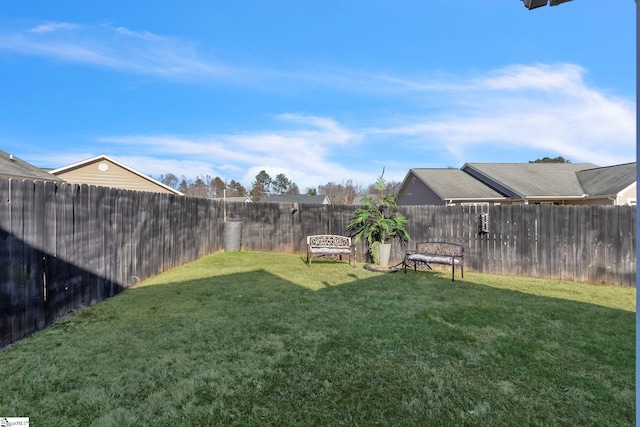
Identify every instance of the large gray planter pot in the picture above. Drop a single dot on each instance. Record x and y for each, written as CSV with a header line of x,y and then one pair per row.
x,y
384,253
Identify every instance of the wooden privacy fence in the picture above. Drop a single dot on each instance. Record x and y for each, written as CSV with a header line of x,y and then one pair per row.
x,y
578,243
63,246
594,244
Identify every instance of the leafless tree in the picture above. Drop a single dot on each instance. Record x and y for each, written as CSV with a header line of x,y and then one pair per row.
x,y
340,194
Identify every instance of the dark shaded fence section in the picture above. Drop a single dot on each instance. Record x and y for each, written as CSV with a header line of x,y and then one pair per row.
x,y
64,246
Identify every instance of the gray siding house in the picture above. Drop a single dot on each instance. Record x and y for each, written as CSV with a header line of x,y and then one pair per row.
x,y
521,183
445,187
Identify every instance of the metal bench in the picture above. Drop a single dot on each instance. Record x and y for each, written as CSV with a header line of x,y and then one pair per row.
x,y
436,253
330,245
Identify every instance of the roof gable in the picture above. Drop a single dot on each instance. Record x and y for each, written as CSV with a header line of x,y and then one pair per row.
x,y
102,161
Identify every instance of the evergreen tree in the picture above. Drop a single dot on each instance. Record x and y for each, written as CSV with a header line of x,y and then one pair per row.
x,y
558,159
260,187
184,186
236,189
280,184
217,186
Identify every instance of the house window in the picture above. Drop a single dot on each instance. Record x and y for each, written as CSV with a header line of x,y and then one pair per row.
x,y
103,167
476,207
631,201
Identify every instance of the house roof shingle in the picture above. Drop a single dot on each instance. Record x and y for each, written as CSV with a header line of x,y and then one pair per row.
x,y
607,180
13,167
526,180
455,184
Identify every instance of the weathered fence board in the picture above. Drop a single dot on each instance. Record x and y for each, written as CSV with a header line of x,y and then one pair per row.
x,y
17,259
6,334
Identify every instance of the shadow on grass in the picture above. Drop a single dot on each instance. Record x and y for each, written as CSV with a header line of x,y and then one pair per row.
x,y
253,348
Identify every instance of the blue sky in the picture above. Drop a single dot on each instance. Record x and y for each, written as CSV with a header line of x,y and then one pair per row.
x,y
322,91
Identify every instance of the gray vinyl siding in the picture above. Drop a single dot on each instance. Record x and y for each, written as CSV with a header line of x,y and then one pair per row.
x,y
416,193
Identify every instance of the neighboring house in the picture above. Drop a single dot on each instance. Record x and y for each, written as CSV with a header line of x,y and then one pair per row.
x,y
244,199
615,183
13,167
445,187
104,171
521,183
297,198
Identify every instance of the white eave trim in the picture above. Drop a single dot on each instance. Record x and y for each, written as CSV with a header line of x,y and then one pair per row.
x,y
476,199
583,196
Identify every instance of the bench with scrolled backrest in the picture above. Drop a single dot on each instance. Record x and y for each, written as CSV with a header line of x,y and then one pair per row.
x,y
330,245
436,253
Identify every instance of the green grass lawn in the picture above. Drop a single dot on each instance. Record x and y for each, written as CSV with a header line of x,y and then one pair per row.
x,y
257,339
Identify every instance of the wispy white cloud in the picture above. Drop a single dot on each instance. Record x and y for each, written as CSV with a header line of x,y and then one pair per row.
x,y
548,107
303,154
118,48
554,113
49,27
542,77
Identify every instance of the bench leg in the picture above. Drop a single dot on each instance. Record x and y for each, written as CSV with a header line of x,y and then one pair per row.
x,y
405,263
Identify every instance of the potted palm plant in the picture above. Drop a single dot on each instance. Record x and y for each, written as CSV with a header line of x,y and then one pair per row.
x,y
379,222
